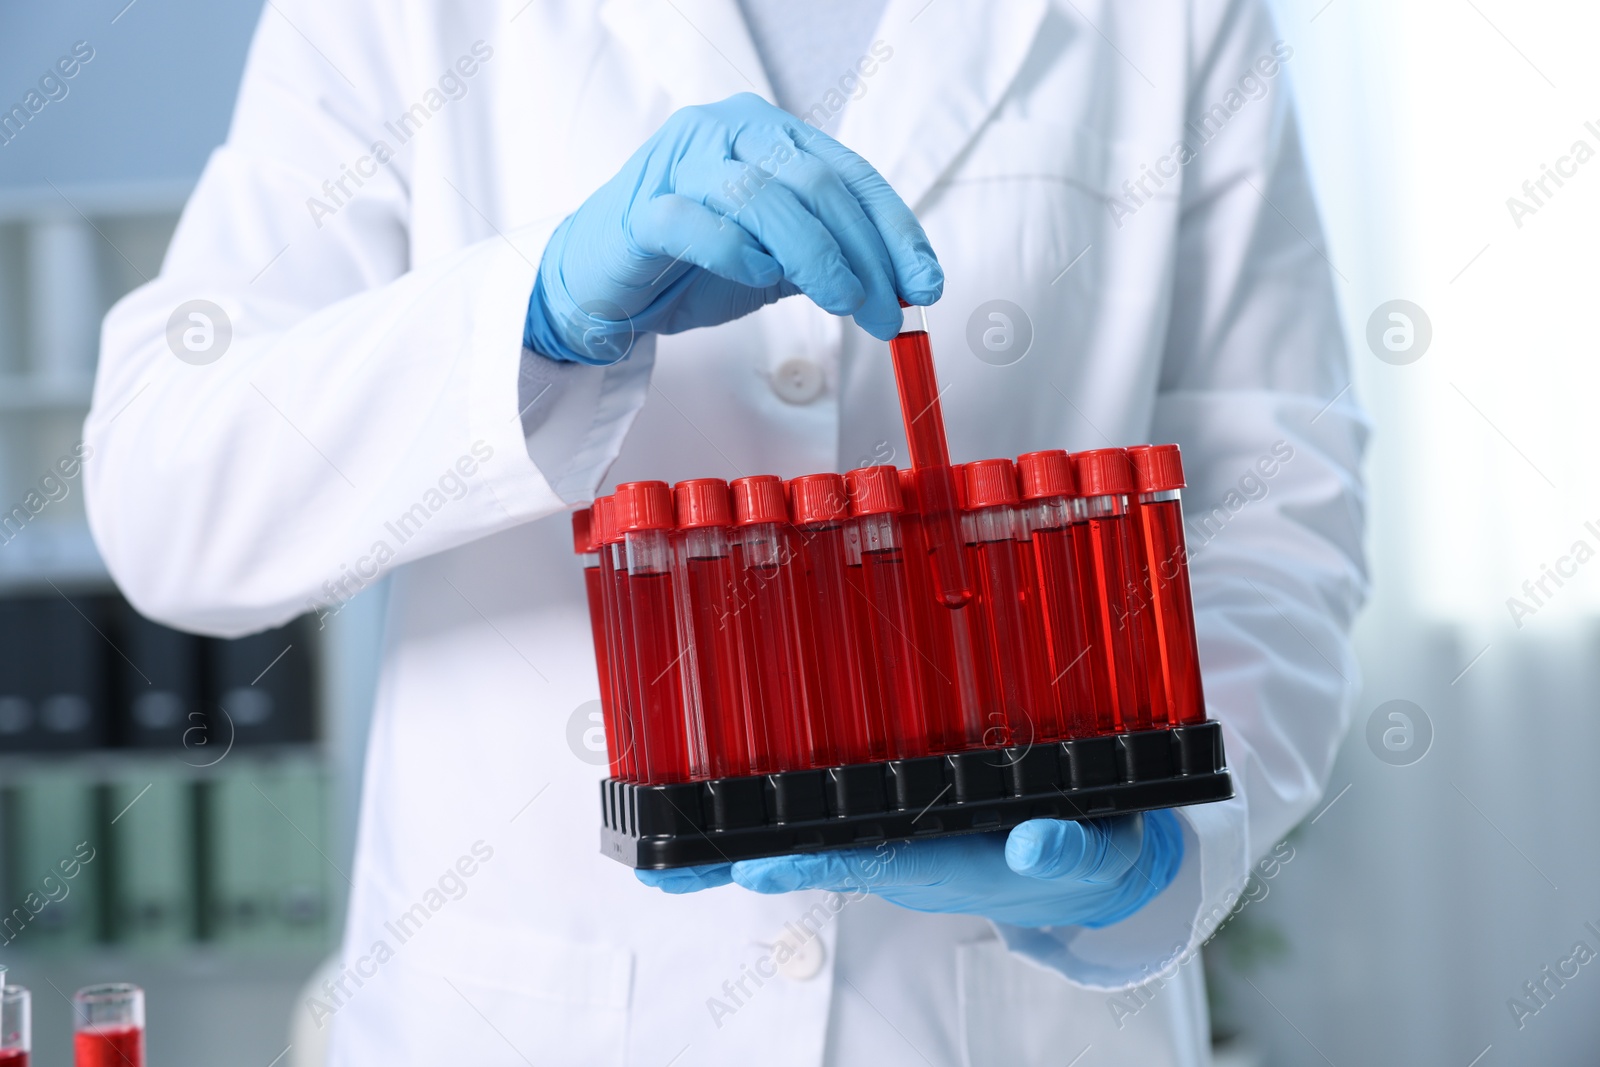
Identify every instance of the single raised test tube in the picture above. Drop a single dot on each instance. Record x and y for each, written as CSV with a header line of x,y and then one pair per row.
x,y
1051,516
108,1026
588,550
1158,473
16,1024
769,640
1105,480
930,456
844,728
708,615
875,501
1022,708
622,739
644,516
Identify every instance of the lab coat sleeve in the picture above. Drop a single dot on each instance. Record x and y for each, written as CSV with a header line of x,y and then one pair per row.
x,y
1255,388
355,409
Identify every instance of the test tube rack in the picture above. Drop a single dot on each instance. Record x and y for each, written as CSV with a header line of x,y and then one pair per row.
x,y
836,661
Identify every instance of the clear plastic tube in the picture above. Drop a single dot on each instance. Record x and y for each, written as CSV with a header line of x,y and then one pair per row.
x,y
843,730
622,729
108,1026
1159,477
644,513
16,1024
583,542
1048,518
934,631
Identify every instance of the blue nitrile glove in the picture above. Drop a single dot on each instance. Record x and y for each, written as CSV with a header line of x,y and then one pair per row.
x,y
1046,872
725,209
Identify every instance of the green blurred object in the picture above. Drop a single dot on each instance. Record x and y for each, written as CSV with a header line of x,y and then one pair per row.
x,y
54,871
152,855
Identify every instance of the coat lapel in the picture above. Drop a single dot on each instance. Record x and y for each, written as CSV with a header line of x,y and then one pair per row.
x,y
697,51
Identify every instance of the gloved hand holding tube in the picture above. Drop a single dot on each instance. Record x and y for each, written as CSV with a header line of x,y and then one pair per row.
x,y
1045,872
727,208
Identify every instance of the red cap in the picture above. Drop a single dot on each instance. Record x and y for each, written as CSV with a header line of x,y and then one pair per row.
x,y
605,526
989,483
818,498
759,498
642,506
874,491
1047,473
583,541
1157,468
1103,472
702,502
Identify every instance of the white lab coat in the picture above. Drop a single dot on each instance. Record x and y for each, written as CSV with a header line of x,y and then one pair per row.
x,y
372,377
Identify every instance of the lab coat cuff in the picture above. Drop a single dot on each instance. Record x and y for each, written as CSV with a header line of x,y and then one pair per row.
x,y
1167,933
575,415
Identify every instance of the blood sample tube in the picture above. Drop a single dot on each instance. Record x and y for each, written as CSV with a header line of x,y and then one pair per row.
x,y
644,516
844,728
708,614
584,544
1158,474
930,457
769,641
108,1026
933,629
875,502
1007,607
1049,517
1105,480
617,610
16,1024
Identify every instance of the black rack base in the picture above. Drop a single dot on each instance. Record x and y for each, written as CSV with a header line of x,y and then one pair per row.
x,y
680,825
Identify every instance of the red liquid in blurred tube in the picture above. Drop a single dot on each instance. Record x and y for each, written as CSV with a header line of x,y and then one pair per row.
x,y
875,502
588,549
644,515
1158,471
706,608
770,658
1105,481
1047,486
110,1046
13,1057
622,737
843,728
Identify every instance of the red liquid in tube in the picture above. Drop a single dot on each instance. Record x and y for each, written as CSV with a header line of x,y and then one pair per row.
x,y
1105,480
13,1057
710,628
843,729
1018,703
584,544
932,629
1158,471
108,1046
774,675
644,515
622,730
875,501
1047,486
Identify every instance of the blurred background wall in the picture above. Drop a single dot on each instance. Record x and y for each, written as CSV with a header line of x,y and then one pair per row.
x,y
1453,857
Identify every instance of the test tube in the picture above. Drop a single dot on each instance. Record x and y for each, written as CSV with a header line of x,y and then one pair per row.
x,y
708,614
1158,473
776,707
1105,482
643,513
623,744
1021,709
16,1024
108,1026
588,551
1051,516
930,457
933,629
875,503
851,730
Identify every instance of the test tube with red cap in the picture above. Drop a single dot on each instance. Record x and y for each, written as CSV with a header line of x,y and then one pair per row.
x,y
930,457
16,1024
587,547
876,504
622,736
934,632
108,1026
1053,518
844,728
1022,710
1158,473
1105,482
643,513
708,612
774,681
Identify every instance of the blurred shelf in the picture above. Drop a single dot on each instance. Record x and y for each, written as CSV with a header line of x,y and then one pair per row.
x,y
105,762
50,552
28,392
26,203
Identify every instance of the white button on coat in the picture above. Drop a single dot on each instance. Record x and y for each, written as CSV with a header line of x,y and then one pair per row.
x,y
804,959
798,381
